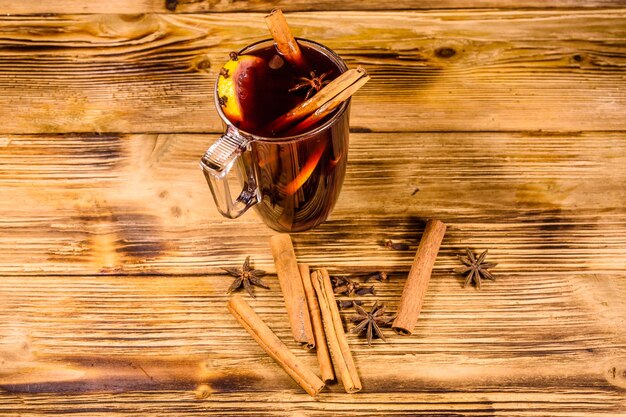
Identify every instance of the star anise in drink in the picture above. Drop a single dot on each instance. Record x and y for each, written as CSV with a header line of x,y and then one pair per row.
x,y
313,84
475,268
371,323
246,277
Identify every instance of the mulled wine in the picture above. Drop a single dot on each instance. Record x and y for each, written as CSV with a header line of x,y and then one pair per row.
x,y
258,86
298,173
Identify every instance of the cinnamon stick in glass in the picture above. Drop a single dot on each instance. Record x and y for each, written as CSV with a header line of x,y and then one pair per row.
x,y
419,276
328,107
292,288
285,42
331,90
323,355
335,335
274,347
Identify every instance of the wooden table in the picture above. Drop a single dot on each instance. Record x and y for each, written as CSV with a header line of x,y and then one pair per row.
x,y
504,119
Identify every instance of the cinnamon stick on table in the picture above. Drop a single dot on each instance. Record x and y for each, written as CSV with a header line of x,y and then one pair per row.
x,y
323,355
285,42
335,336
417,282
274,347
292,288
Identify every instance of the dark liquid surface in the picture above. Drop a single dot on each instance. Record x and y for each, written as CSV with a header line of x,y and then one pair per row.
x,y
266,96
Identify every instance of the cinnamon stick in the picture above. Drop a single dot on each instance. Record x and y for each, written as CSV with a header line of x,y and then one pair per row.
x,y
331,90
292,288
328,107
274,347
323,355
285,42
417,282
335,336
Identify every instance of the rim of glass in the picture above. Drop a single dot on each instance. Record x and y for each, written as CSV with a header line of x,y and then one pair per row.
x,y
338,113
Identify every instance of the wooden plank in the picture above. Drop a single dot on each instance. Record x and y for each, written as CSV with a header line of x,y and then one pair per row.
x,y
574,403
138,204
443,70
524,345
215,6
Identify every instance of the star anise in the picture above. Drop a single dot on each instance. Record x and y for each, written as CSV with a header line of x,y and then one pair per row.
x,y
370,323
246,277
314,84
475,268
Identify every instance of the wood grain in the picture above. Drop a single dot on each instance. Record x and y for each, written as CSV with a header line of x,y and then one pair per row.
x,y
575,403
553,342
505,120
139,204
217,6
441,70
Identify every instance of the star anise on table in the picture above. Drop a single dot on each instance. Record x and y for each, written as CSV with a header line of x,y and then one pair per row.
x,y
313,84
475,268
370,323
246,277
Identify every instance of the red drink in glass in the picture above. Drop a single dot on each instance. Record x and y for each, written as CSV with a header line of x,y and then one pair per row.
x,y
292,178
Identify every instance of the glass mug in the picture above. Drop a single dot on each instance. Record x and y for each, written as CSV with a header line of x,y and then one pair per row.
x,y
293,182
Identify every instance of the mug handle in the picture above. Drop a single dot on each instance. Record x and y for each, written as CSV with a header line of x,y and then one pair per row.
x,y
217,163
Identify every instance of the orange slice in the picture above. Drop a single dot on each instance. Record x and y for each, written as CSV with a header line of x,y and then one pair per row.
x,y
307,170
236,85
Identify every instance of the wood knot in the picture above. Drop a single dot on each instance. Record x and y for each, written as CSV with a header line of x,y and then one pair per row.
x,y
203,391
204,63
132,17
176,211
445,52
616,374
577,58
201,64
171,5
